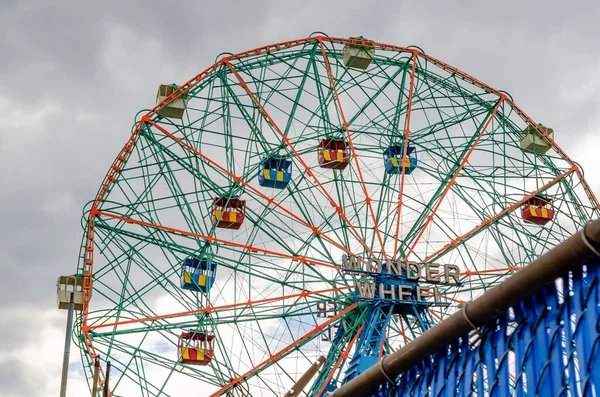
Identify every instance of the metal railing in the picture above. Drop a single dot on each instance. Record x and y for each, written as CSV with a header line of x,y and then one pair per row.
x,y
535,334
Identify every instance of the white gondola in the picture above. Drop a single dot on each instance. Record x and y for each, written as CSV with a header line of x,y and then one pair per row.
x,y
532,141
67,286
358,55
174,109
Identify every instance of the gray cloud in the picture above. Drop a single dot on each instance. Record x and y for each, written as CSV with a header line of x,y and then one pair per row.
x,y
15,381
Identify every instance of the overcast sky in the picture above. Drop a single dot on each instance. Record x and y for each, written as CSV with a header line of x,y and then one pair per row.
x,y
73,74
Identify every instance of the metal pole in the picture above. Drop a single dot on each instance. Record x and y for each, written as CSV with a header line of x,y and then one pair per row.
x,y
96,372
65,366
568,256
105,394
304,379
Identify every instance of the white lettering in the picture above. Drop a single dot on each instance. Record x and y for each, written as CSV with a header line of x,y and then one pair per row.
x,y
431,270
413,271
391,292
351,262
422,289
405,291
374,263
395,268
424,292
366,290
409,270
451,271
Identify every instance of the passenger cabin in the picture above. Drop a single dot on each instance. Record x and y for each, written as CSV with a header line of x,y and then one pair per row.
x,y
532,141
538,210
333,154
70,288
275,172
176,108
228,212
196,348
359,53
197,274
392,159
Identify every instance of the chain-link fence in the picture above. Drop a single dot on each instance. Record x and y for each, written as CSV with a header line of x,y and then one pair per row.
x,y
547,345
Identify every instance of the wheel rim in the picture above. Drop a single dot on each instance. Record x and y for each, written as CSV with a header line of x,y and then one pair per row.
x,y
460,205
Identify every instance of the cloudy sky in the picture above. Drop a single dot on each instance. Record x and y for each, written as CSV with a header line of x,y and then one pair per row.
x,y
75,73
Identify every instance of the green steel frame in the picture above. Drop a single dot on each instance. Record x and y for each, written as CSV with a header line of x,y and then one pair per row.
x,y
460,206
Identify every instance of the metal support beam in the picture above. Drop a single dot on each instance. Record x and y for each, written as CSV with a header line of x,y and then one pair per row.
x,y
304,379
568,256
106,379
95,379
67,351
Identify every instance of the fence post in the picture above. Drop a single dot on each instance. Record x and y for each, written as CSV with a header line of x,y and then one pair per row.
x,y
95,379
67,350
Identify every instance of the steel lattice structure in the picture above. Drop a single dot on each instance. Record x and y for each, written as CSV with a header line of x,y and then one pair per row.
x,y
279,296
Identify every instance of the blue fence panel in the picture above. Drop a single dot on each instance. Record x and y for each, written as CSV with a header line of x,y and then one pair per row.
x,y
547,345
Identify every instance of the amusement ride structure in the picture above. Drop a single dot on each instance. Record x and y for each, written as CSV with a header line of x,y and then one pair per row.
x,y
322,200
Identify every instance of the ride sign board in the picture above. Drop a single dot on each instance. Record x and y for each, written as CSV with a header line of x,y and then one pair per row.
x,y
401,281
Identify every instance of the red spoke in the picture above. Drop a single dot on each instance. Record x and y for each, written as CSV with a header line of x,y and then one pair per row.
x,y
405,152
435,314
239,179
503,270
453,299
352,151
105,187
306,167
213,239
451,183
403,330
282,352
544,134
497,216
339,361
211,309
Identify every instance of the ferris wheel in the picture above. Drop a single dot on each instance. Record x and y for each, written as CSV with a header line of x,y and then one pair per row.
x,y
305,208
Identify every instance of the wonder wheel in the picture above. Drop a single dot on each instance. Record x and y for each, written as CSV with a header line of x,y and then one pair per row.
x,y
317,197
